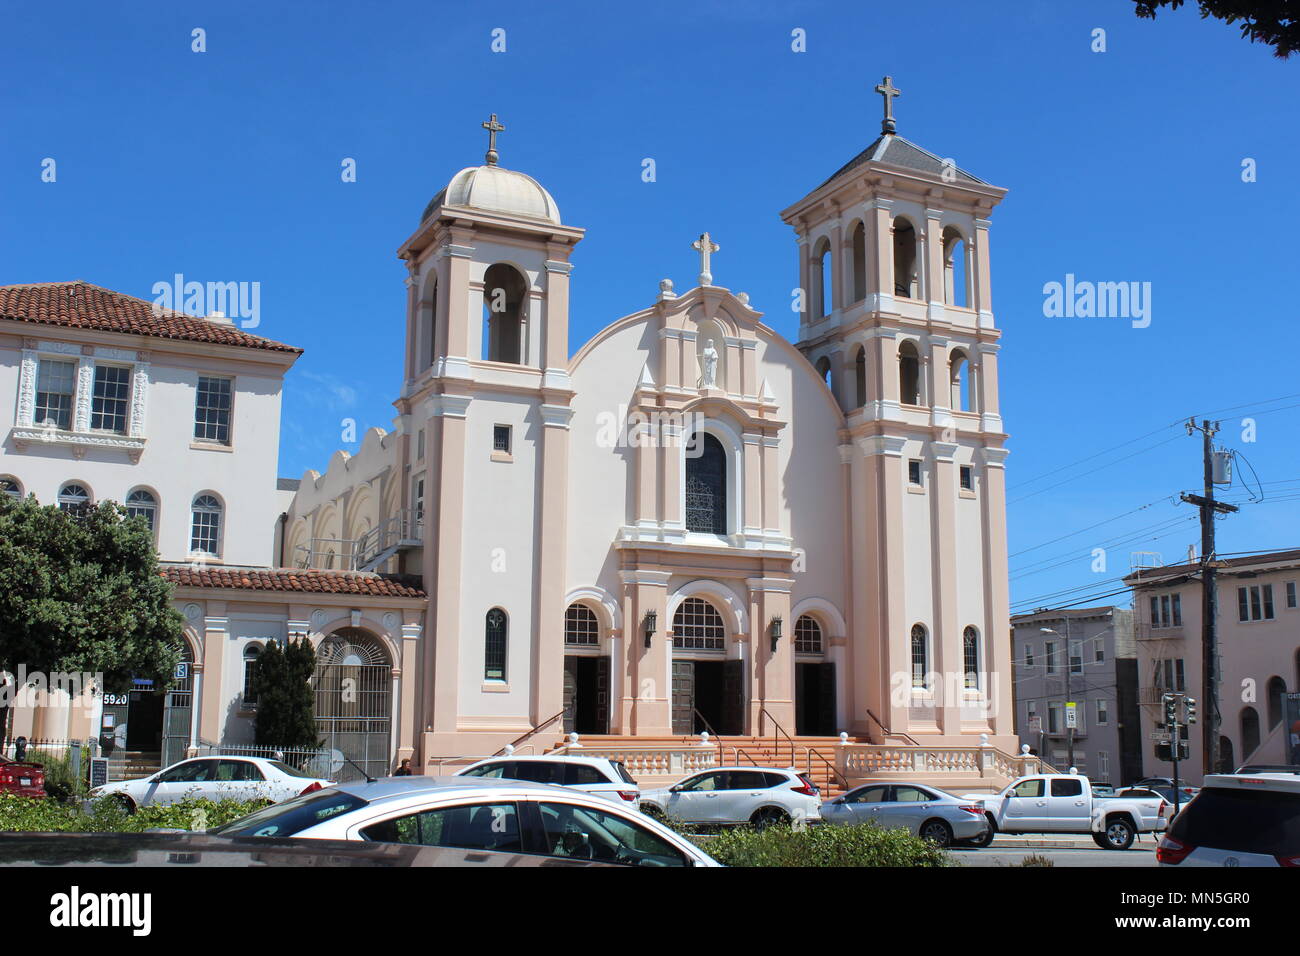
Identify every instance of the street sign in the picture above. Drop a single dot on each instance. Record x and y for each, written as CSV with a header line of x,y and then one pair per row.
x,y
1161,736
1071,715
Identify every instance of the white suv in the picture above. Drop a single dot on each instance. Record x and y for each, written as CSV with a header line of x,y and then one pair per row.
x,y
1237,819
595,775
733,795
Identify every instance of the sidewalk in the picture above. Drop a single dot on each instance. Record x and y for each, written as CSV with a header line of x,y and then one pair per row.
x,y
1062,841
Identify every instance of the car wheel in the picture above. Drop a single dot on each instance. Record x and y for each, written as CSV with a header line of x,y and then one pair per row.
x,y
1118,835
125,803
769,817
937,832
654,812
984,839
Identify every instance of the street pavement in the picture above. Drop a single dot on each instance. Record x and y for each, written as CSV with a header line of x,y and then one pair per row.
x,y
1062,850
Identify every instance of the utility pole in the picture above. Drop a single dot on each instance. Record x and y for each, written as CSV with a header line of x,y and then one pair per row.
x,y
1209,596
1069,669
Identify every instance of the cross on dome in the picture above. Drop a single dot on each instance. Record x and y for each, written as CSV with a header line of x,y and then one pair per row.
x,y
493,127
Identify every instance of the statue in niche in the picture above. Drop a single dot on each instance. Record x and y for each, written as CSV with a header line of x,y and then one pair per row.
x,y
709,365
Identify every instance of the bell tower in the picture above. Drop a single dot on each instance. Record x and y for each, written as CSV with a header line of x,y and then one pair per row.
x,y
485,415
897,318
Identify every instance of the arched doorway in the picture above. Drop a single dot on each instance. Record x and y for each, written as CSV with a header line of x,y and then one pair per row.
x,y
178,708
708,689
586,673
354,697
1249,732
1227,762
814,680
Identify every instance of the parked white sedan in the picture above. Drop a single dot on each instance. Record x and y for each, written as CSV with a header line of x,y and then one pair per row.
x,y
474,813
214,778
761,796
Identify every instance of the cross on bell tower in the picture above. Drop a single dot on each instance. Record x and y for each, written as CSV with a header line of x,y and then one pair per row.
x,y
888,91
493,127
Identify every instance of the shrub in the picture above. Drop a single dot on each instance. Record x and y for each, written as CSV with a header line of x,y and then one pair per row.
x,y
106,815
822,845
1034,859
61,781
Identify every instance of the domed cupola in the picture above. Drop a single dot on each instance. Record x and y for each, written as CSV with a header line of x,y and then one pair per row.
x,y
493,188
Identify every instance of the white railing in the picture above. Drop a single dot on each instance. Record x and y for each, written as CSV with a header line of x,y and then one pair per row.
x,y
671,761
873,760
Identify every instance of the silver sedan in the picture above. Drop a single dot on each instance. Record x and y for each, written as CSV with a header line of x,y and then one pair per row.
x,y
928,812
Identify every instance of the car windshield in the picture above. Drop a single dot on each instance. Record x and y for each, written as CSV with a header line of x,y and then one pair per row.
x,y
293,816
1247,821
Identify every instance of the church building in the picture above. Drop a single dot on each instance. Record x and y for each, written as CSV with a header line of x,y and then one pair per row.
x,y
687,524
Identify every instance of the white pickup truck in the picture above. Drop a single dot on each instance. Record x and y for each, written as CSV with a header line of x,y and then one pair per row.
x,y
1064,803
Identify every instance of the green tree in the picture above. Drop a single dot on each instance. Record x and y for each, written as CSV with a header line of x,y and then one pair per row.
x,y
80,592
1275,23
285,705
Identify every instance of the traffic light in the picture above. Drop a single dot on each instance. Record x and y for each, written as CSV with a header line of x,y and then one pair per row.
x,y
1189,704
1171,710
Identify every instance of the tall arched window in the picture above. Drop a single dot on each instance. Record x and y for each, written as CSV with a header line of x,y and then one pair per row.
x,y
860,376
706,486
824,371
807,635
504,291
955,268
142,504
697,625
959,380
906,282
859,262
821,279
430,331
970,656
251,654
1249,732
11,487
920,655
1276,701
205,526
581,629
494,645
74,497
909,374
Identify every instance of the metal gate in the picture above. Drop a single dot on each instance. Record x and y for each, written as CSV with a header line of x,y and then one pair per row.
x,y
177,710
354,693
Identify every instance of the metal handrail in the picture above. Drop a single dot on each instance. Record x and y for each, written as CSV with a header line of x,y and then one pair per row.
x,y
722,755
808,751
514,744
889,733
777,728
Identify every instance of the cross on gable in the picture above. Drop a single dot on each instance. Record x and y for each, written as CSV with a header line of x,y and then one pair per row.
x,y
888,91
706,247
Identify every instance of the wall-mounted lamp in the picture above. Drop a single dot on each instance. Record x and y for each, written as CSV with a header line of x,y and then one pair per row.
x,y
651,619
775,629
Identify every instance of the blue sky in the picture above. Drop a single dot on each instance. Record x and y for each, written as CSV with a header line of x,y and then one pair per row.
x,y
1123,166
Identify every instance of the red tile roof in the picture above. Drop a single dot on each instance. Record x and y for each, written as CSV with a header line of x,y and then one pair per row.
x,y
292,579
80,305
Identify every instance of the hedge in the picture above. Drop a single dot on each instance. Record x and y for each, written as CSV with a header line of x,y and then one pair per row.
x,y
821,845
107,816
